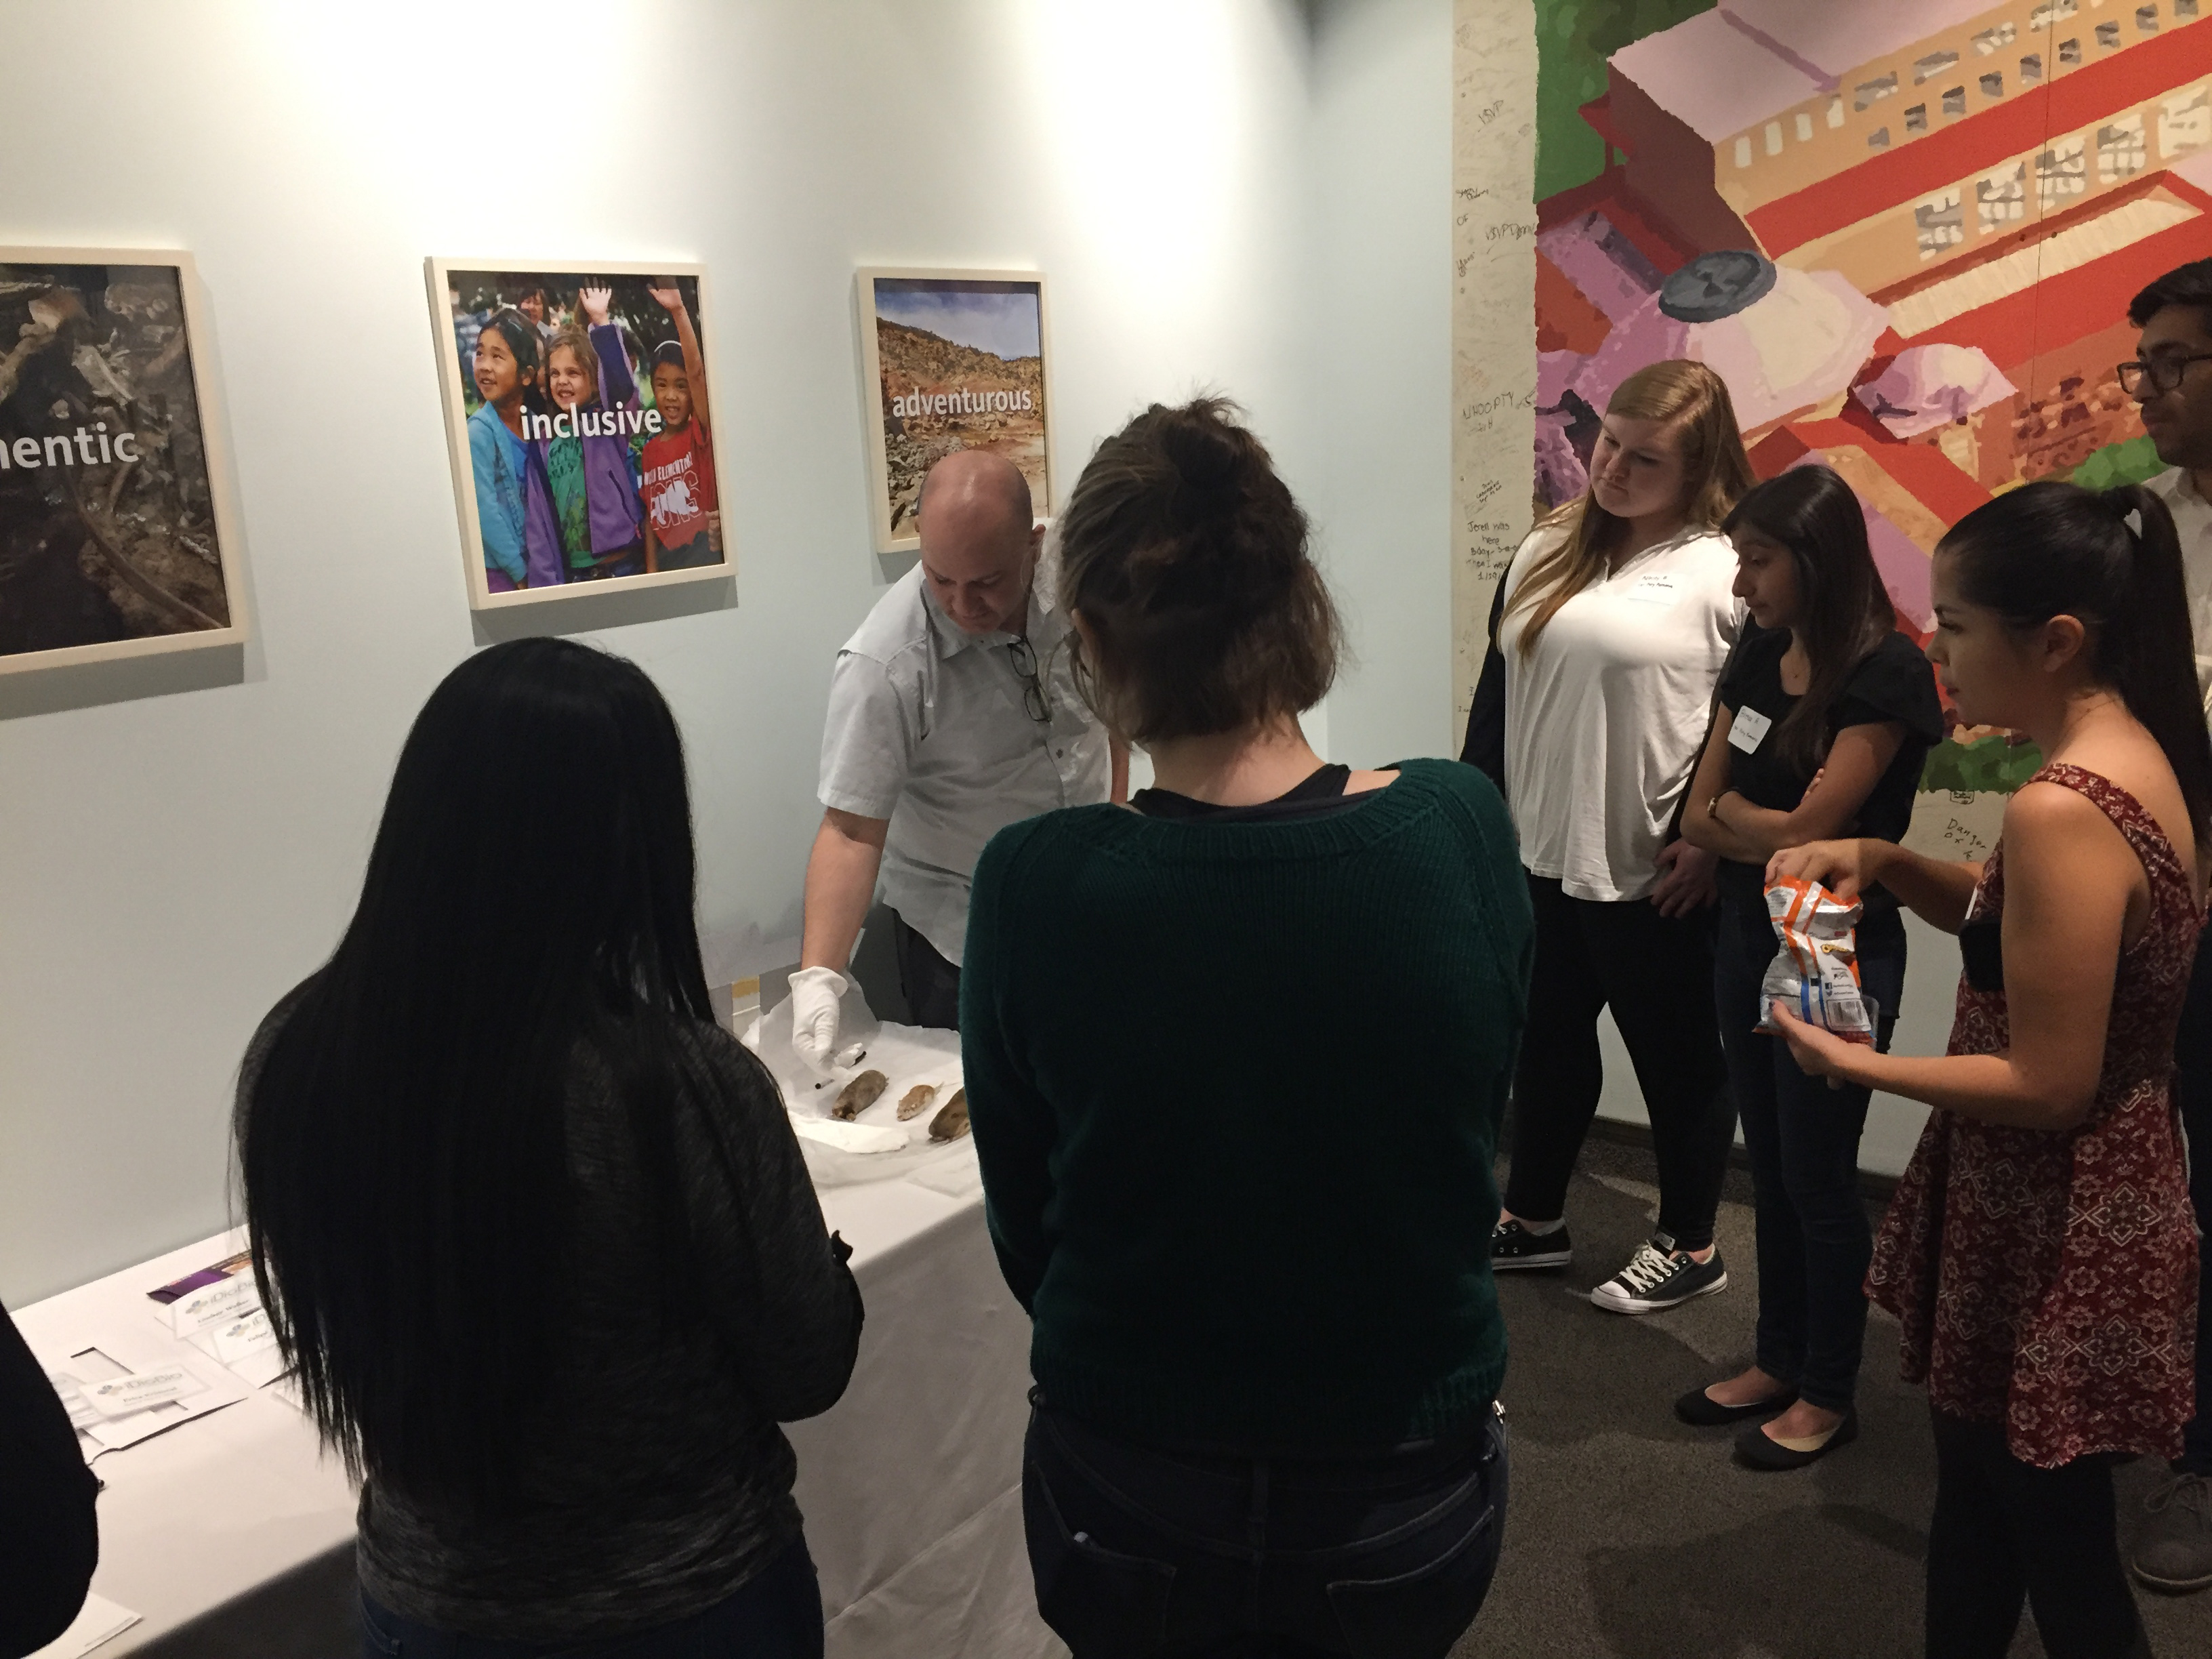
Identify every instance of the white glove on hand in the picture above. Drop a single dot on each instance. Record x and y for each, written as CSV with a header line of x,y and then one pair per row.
x,y
815,1000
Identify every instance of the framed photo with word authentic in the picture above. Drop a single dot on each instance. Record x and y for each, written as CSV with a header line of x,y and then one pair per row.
x,y
953,360
581,424
117,537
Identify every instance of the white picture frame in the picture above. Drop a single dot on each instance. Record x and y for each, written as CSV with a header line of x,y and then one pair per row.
x,y
442,274
901,445
156,553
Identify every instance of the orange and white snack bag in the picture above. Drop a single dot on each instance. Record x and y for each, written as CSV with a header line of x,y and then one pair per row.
x,y
1816,971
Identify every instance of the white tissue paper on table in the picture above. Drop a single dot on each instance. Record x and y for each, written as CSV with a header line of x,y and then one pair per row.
x,y
876,1146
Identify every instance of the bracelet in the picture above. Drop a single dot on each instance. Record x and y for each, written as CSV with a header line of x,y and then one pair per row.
x,y
1713,807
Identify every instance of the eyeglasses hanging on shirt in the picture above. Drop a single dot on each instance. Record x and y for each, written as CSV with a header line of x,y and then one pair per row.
x,y
1020,654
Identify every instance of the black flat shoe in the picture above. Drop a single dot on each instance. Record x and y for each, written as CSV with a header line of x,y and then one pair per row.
x,y
1757,1450
1701,1410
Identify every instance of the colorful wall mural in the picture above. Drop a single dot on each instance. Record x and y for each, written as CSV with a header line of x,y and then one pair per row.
x,y
1904,231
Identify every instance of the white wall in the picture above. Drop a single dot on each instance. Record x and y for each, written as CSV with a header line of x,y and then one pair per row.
x,y
1376,447
169,866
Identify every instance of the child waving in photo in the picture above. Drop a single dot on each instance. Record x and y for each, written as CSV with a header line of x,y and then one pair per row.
x,y
682,527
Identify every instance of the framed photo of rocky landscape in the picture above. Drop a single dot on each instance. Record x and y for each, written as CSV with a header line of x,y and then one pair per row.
x,y
954,360
579,426
117,537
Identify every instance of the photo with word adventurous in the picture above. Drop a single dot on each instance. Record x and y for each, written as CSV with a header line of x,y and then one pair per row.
x,y
956,360
1906,235
581,428
113,540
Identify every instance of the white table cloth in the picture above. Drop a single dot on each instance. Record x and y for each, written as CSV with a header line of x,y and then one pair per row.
x,y
911,1485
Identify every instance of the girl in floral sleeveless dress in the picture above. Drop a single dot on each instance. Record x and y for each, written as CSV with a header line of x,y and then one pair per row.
x,y
2041,1253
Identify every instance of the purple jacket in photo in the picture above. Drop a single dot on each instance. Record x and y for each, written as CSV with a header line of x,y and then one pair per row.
x,y
617,518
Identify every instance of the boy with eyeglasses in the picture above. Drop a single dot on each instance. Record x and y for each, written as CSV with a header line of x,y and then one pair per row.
x,y
2172,379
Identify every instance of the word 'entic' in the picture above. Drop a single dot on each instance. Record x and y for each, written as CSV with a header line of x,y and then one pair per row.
x,y
83,448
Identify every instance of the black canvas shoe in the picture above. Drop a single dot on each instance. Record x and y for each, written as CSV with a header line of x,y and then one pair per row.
x,y
1660,1276
1512,1245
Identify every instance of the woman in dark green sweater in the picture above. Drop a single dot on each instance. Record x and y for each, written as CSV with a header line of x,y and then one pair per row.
x,y
1253,1239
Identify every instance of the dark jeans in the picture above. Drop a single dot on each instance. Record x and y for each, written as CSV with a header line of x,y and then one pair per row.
x,y
1803,1139
775,1614
1139,1552
628,562
2193,1093
931,984
2005,1532
688,555
1657,976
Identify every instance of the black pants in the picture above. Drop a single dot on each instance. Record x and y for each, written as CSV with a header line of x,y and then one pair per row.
x,y
2193,1093
1657,976
2006,1532
930,983
1142,1552
1803,1141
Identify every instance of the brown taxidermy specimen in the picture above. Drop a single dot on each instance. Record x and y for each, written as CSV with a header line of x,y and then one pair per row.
x,y
916,1101
951,1124
856,1096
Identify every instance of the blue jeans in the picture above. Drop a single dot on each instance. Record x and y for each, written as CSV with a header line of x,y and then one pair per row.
x,y
775,1614
1145,1552
1802,1137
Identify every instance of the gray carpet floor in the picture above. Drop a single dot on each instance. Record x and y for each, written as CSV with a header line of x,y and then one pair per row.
x,y
1630,1536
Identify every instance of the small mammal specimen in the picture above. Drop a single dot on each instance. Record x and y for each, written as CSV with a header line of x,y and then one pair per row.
x,y
862,1092
916,1101
951,1124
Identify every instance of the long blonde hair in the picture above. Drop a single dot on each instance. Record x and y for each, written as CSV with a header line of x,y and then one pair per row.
x,y
1693,400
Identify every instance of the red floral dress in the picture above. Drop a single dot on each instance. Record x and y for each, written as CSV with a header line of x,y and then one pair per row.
x,y
2047,1278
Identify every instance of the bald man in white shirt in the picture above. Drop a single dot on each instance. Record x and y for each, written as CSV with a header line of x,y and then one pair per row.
x,y
953,713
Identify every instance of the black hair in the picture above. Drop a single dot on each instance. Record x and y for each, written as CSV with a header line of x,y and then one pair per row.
x,y
403,1150
668,351
1844,610
2053,549
1188,558
528,346
2185,285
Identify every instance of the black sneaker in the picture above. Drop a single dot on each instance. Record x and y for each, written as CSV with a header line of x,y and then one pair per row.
x,y
1660,1276
1512,1245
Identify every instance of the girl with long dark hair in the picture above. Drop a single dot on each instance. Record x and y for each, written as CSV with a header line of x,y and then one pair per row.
x,y
1826,715
535,1236
2040,1251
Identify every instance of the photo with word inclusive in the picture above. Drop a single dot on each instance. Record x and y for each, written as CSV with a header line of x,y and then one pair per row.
x,y
956,360
1905,233
113,537
581,420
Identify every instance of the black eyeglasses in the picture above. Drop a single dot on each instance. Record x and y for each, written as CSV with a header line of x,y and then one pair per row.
x,y
2164,374
1024,658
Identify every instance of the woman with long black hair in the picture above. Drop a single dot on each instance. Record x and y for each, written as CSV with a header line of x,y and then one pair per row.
x,y
535,1236
2040,1252
1827,712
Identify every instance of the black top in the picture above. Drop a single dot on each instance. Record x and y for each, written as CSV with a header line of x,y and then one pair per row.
x,y
1320,794
660,1482
1893,682
49,1538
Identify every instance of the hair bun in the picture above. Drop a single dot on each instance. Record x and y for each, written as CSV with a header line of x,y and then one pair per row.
x,y
1205,455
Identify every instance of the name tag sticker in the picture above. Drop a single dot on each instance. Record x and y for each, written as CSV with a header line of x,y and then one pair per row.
x,y
1749,730
1654,587
118,1397
214,1304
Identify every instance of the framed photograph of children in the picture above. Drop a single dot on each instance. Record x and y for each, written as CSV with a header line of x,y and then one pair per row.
x,y
955,360
580,427
117,533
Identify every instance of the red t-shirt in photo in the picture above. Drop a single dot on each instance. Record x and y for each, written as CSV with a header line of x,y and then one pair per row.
x,y
678,491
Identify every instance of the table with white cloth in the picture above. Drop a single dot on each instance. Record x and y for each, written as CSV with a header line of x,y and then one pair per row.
x,y
232,1533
